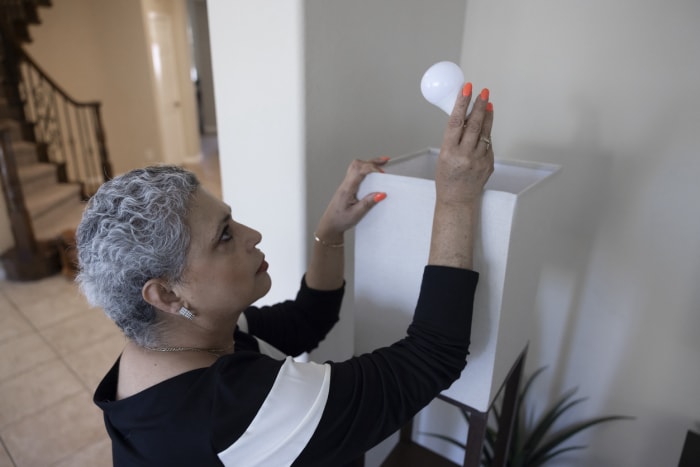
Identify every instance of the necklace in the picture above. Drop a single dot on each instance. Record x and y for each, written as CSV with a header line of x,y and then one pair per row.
x,y
217,352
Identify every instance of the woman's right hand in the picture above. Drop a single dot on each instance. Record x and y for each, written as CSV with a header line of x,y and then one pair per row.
x,y
464,166
466,156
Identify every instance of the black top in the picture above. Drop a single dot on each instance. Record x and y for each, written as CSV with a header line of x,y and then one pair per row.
x,y
249,409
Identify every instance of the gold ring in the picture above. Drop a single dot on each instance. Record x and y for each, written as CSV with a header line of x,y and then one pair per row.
x,y
487,141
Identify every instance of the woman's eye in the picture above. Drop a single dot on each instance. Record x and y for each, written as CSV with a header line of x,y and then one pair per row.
x,y
225,235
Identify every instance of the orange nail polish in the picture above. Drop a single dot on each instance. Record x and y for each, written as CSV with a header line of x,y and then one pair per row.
x,y
467,89
385,158
379,197
484,94
489,107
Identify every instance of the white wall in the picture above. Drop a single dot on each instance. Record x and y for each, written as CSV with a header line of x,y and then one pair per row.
x,y
257,61
609,91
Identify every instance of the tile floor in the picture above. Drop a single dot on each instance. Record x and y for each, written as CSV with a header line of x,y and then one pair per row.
x,y
54,350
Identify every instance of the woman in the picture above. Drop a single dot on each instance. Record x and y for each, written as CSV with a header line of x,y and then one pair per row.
x,y
204,378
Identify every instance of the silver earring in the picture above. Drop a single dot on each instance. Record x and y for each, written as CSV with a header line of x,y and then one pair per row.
x,y
184,312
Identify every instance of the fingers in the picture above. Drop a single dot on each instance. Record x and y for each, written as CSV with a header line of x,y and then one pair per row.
x,y
455,125
488,121
474,127
358,170
368,202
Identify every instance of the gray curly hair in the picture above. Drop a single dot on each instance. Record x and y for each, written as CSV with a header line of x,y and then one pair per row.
x,y
134,229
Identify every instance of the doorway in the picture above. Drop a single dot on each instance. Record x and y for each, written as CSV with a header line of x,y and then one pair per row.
x,y
165,70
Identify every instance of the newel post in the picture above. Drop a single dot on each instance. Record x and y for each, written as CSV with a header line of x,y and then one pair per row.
x,y
28,259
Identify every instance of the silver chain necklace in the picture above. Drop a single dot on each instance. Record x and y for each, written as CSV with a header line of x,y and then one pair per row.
x,y
217,352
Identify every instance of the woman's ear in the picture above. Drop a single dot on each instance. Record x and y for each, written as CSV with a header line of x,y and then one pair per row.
x,y
160,295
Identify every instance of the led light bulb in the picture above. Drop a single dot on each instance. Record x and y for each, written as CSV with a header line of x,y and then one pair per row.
x,y
441,84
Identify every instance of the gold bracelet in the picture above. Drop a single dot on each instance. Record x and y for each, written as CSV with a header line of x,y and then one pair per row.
x,y
329,245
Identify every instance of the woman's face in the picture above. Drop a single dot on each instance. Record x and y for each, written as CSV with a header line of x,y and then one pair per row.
x,y
224,271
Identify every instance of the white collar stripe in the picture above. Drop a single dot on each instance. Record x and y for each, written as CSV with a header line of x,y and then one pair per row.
x,y
270,350
286,420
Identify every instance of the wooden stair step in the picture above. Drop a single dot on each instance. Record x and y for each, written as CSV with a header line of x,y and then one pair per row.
x,y
35,176
40,202
13,126
65,217
25,153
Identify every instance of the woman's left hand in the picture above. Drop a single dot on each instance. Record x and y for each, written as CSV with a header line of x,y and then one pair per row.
x,y
344,210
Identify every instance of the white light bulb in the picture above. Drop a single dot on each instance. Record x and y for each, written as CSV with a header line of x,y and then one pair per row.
x,y
441,85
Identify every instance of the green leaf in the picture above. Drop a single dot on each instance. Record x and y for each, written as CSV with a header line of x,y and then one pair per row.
x,y
567,433
533,448
548,419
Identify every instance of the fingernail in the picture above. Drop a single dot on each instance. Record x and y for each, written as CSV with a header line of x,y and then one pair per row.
x,y
484,94
467,89
489,107
380,169
379,197
385,158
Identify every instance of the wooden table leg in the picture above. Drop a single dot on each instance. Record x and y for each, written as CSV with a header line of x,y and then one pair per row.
x,y
475,438
505,424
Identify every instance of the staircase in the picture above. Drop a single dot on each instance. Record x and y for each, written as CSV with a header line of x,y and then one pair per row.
x,y
52,151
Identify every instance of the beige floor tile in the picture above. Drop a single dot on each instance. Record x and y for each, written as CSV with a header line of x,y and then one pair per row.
x,y
35,390
75,333
26,293
59,306
5,460
56,433
94,361
12,323
22,353
96,455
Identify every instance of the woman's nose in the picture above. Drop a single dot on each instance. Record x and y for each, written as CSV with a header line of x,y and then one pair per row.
x,y
255,237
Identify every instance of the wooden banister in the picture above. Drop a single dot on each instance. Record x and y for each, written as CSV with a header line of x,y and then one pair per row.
x,y
28,259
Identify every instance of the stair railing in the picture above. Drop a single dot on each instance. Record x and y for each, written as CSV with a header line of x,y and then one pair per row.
x,y
69,133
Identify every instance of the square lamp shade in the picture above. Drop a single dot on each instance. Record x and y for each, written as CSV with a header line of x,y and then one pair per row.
x,y
391,249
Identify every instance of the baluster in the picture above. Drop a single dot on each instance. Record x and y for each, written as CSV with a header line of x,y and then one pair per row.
x,y
102,141
84,152
94,166
54,132
90,147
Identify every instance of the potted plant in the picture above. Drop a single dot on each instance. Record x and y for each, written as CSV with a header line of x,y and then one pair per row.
x,y
533,443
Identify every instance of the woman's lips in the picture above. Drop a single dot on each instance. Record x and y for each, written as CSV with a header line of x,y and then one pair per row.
x,y
263,266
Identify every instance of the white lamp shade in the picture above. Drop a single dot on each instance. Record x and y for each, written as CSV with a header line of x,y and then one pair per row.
x,y
441,84
391,249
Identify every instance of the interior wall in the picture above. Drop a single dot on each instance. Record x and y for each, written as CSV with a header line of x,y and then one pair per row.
x,y
609,91
257,61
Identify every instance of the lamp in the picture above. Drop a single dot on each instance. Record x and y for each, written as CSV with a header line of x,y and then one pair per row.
x,y
391,248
